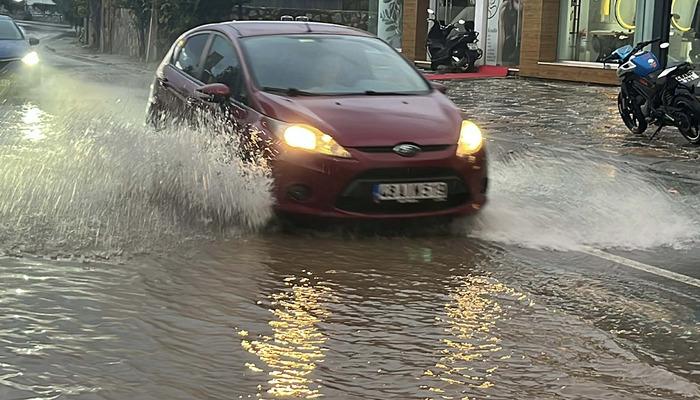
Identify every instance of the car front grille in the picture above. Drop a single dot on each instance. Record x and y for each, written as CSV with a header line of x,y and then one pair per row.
x,y
357,197
390,149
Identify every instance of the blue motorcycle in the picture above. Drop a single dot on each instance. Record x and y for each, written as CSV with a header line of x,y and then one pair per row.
x,y
650,94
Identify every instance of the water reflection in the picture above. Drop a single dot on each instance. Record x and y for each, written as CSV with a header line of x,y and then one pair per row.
x,y
471,351
295,348
33,120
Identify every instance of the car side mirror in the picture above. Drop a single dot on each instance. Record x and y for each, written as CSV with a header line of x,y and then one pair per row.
x,y
439,87
214,93
33,41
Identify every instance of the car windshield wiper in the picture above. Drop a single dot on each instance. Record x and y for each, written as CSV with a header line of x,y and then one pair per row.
x,y
376,93
288,91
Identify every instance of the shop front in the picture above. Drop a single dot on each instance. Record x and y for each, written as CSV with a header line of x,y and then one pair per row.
x,y
498,22
568,39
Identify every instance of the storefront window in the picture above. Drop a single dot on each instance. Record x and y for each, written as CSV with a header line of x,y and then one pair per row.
x,y
685,32
591,29
505,21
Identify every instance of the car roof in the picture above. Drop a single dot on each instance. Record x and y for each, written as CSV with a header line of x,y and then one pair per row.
x,y
263,28
5,17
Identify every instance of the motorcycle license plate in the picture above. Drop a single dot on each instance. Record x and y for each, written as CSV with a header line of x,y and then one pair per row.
x,y
473,46
689,77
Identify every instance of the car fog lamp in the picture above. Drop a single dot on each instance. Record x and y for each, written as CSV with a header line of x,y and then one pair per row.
x,y
470,139
31,58
309,138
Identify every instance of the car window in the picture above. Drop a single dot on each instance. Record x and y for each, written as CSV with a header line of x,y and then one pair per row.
x,y
330,65
9,31
223,66
188,57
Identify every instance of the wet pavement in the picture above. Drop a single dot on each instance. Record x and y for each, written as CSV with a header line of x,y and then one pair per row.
x,y
116,283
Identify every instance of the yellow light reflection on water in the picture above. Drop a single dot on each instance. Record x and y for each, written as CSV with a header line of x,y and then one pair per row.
x,y
472,351
32,119
295,348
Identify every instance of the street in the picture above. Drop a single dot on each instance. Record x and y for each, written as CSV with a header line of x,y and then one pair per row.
x,y
580,279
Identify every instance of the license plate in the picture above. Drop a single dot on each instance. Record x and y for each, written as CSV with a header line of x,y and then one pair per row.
x,y
687,78
410,192
473,46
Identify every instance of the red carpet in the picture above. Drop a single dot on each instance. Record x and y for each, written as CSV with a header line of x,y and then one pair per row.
x,y
486,71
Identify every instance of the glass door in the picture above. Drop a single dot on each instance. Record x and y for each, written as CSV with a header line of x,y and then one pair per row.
x,y
591,29
685,32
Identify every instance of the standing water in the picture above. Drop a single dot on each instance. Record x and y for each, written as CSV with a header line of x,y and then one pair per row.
x,y
207,304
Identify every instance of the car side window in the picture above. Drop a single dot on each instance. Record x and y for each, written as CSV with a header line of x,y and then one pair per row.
x,y
222,65
188,57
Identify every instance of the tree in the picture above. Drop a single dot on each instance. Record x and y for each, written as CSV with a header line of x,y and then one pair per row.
x,y
73,11
141,10
11,5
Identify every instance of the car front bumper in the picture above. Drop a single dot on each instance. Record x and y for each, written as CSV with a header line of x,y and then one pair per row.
x,y
327,187
14,73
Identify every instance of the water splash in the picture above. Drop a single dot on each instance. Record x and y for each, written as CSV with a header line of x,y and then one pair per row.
x,y
566,203
88,179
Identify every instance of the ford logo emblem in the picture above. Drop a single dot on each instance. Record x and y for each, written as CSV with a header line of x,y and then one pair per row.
x,y
407,150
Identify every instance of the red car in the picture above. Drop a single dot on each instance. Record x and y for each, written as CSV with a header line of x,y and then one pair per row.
x,y
356,131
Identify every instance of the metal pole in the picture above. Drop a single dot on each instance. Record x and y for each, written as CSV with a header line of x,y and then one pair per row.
x,y
152,32
662,27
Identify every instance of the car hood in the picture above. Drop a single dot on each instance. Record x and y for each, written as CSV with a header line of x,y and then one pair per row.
x,y
359,121
13,49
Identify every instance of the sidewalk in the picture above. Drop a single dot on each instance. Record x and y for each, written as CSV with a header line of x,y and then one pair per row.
x,y
47,24
67,45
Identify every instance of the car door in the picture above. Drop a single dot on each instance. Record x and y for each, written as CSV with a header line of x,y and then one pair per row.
x,y
182,76
222,64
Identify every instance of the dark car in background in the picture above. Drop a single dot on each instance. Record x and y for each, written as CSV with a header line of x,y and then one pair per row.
x,y
356,131
19,62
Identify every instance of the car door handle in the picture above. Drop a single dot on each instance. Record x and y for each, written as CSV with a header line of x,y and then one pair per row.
x,y
164,82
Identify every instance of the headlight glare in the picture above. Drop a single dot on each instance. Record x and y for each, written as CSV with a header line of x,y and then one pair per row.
x,y
309,138
470,139
300,137
31,58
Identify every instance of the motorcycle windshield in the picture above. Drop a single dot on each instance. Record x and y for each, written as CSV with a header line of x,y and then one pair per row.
x,y
624,51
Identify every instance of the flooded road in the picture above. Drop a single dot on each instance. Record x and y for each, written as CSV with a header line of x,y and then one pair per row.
x,y
137,264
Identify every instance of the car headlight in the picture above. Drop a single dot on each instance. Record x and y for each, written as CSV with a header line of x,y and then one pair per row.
x,y
470,139
31,58
309,138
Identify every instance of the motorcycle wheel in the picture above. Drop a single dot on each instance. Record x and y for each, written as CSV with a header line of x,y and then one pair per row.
x,y
689,119
631,116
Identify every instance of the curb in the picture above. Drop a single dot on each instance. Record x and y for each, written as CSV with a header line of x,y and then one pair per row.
x,y
24,22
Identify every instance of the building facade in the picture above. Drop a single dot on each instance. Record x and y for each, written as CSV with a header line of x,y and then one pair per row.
x,y
562,39
565,39
499,23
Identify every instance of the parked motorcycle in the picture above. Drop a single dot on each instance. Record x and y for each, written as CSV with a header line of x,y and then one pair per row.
x,y
650,94
452,46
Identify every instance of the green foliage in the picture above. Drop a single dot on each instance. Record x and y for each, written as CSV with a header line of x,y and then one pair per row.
x,y
72,10
11,5
178,16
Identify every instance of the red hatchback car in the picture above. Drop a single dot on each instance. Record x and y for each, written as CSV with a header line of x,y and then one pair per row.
x,y
356,131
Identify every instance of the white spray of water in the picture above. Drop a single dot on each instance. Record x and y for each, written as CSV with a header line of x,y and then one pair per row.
x,y
84,180
567,203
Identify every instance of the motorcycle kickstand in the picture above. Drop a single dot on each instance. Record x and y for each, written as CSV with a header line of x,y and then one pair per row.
x,y
661,126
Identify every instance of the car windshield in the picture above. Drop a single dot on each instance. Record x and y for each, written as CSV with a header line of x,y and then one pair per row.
x,y
330,65
9,31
